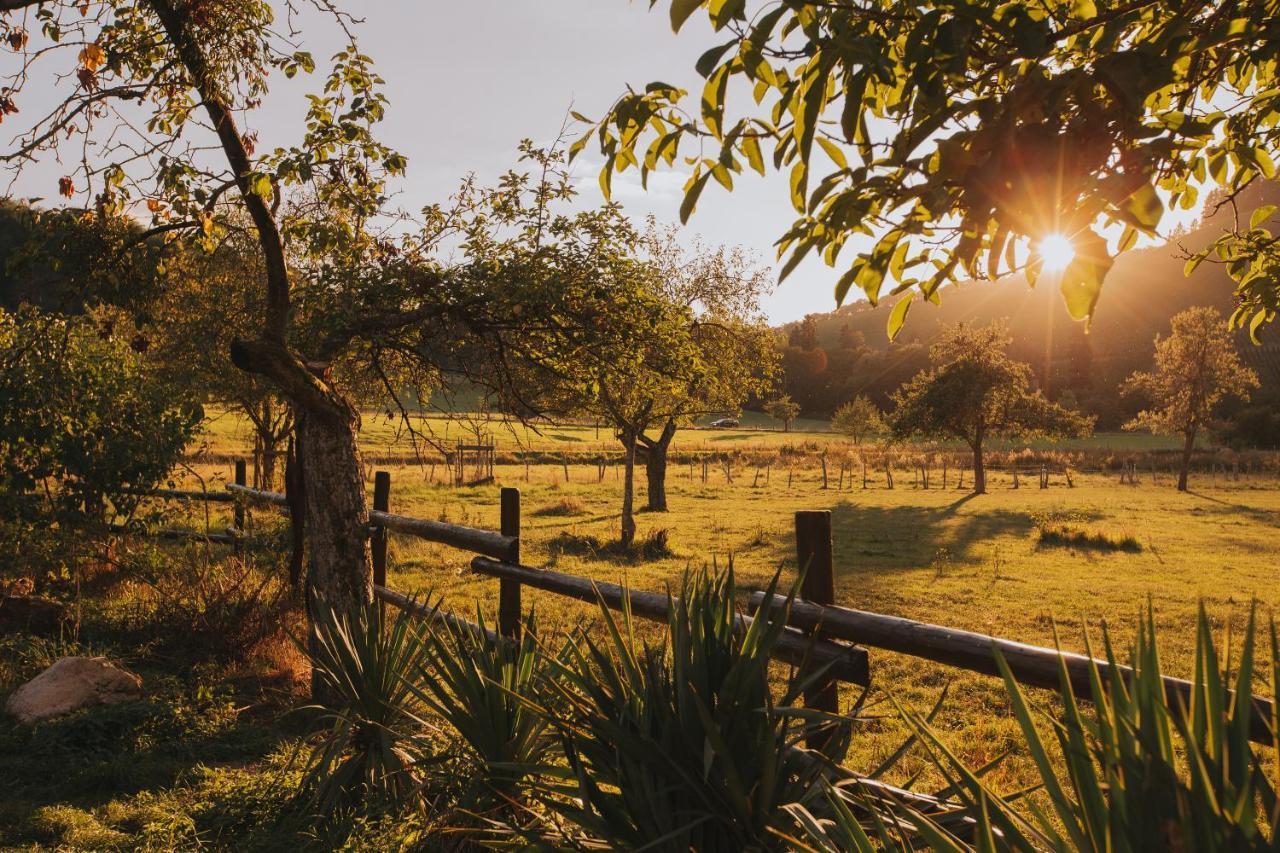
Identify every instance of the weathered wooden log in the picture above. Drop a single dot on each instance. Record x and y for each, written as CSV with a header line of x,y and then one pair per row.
x,y
228,538
182,495
1033,665
274,498
432,614
847,663
485,542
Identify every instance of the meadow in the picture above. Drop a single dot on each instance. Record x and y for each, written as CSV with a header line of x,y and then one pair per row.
x,y
997,563
212,756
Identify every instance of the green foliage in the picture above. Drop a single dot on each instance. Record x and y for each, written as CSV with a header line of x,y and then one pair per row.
x,y
1143,772
783,409
977,392
1068,530
486,690
681,745
858,419
1196,367
370,754
944,140
83,424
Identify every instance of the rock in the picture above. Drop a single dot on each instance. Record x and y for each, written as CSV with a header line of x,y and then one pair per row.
x,y
30,614
69,684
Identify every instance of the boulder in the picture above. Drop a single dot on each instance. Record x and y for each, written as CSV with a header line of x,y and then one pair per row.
x,y
69,684
30,614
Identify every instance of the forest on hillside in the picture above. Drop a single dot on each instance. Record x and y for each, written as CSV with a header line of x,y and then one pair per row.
x,y
828,359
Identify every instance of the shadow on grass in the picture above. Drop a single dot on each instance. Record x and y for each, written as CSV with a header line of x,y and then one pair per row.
x,y
1223,507
877,539
106,753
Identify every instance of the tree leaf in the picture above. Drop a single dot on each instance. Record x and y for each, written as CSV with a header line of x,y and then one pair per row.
x,y
898,316
680,12
1261,215
1083,277
1144,208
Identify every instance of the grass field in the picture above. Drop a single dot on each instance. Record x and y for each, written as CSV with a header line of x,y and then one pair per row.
x,y
940,555
226,433
209,757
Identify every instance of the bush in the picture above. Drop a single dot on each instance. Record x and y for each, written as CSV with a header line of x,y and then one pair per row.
x,y
370,754
82,427
680,746
1141,772
1059,530
567,505
489,691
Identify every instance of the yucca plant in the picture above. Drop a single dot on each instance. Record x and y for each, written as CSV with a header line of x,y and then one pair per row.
x,y
1139,773
486,689
681,747
370,752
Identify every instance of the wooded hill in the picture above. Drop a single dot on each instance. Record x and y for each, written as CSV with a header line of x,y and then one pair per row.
x,y
831,357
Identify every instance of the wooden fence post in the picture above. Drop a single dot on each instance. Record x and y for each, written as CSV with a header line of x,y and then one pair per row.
x,y
239,511
813,553
509,590
378,542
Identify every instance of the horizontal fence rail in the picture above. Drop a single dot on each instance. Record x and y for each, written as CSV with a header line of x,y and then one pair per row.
x,y
183,495
274,498
846,663
432,614
818,633
1033,665
471,539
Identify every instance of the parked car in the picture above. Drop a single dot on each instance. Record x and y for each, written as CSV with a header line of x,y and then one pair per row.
x,y
725,423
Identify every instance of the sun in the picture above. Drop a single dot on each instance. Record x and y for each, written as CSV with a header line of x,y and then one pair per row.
x,y
1057,252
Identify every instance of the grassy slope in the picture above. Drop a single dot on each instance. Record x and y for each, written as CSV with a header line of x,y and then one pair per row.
x,y
226,433
937,555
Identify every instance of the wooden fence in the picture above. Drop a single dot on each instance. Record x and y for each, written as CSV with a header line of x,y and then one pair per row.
x,y
819,634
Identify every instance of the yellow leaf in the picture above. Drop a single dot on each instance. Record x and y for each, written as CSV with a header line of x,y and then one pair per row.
x,y
898,316
93,57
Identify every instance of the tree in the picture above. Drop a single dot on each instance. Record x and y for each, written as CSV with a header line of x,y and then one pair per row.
x,y
156,96
193,72
947,140
85,429
208,303
858,419
977,392
1196,367
716,295
783,409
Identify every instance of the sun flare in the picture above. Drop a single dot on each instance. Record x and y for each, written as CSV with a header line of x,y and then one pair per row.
x,y
1057,252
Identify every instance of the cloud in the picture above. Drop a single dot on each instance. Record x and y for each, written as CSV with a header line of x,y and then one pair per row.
x,y
663,185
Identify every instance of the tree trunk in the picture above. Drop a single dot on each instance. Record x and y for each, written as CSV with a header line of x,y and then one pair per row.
x,y
979,472
339,568
628,532
1187,447
655,467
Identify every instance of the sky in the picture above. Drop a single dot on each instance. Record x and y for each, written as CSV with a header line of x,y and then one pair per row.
x,y
468,80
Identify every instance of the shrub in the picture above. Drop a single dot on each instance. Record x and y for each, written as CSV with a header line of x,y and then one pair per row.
x,y
1065,530
1141,772
82,416
680,746
370,755
484,687
567,505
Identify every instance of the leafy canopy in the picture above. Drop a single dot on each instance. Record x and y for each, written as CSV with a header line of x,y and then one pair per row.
x,y
858,419
83,423
1196,367
949,136
977,392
